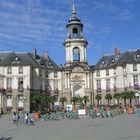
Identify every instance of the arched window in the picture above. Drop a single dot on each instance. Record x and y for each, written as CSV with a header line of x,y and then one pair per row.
x,y
75,33
76,54
20,70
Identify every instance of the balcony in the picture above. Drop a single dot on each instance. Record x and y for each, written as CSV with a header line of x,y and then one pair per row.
x,y
98,90
115,89
136,86
9,89
2,89
56,91
20,88
108,89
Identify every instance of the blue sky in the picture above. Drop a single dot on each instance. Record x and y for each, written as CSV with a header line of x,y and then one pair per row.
x,y
41,24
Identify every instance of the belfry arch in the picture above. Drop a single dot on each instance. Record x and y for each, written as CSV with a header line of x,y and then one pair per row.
x,y
76,54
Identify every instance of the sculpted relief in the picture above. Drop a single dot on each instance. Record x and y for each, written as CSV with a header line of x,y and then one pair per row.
x,y
77,69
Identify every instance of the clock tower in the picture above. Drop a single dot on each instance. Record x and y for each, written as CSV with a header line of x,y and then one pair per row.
x,y
75,43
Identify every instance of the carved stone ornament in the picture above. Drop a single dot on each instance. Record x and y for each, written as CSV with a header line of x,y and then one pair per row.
x,y
77,69
77,78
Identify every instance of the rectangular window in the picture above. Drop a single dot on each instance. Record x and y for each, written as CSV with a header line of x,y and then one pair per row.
x,y
134,67
55,85
107,72
135,79
9,70
107,83
97,73
20,70
20,82
98,84
55,74
9,83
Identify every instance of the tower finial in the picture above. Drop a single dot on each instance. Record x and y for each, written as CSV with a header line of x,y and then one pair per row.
x,y
73,10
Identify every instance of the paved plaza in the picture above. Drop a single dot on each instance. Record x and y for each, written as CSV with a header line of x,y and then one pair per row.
x,y
123,127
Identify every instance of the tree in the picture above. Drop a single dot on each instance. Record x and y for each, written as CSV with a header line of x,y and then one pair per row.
x,y
37,100
46,100
124,96
85,99
52,100
98,97
131,95
108,97
117,96
63,100
74,100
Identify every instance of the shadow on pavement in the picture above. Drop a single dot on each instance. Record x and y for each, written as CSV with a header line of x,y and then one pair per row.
x,y
6,138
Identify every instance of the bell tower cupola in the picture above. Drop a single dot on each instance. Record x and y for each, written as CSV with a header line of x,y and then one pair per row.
x,y
75,44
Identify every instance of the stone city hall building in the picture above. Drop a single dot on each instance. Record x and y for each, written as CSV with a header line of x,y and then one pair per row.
x,y
23,75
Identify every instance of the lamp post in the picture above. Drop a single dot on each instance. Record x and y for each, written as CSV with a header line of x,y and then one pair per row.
x,y
22,99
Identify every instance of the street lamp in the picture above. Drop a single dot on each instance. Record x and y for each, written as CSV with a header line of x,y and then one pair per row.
x,y
22,100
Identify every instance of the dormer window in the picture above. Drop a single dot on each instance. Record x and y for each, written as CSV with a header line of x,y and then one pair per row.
x,y
41,62
20,71
113,60
134,67
137,56
16,58
9,70
49,64
103,62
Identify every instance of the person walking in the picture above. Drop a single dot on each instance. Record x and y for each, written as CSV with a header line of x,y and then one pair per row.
x,y
14,118
26,119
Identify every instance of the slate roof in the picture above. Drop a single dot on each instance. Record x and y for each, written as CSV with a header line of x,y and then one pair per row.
x,y
24,59
111,61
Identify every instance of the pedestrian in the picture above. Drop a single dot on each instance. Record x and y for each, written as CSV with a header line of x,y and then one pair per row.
x,y
14,118
26,119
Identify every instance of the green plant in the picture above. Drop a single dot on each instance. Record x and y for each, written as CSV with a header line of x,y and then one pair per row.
x,y
74,100
117,96
85,99
98,97
63,100
52,100
108,97
37,99
131,95
124,96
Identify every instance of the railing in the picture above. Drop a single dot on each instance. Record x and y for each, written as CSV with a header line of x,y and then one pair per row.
x,y
108,89
136,86
56,91
9,89
98,90
2,90
115,89
20,89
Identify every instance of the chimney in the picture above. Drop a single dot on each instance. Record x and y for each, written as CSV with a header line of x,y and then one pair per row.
x,y
117,53
46,55
34,53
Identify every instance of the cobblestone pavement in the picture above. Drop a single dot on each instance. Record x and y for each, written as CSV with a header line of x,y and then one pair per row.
x,y
123,127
